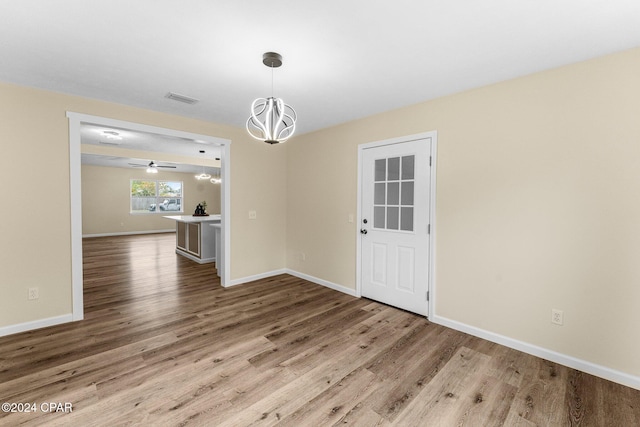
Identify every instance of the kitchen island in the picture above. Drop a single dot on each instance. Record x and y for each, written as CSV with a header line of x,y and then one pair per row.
x,y
194,238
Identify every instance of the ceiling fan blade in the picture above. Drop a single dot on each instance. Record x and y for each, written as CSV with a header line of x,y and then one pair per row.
x,y
151,164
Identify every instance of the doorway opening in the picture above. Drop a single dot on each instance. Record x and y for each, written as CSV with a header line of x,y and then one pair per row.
x,y
76,121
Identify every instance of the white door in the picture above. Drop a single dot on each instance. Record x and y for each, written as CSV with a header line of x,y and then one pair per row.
x,y
394,231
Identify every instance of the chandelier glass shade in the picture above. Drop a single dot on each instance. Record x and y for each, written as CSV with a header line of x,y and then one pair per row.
x,y
271,120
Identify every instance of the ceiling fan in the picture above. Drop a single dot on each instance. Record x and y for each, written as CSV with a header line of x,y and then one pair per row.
x,y
152,167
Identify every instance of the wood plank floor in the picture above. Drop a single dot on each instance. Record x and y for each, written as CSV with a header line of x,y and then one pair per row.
x,y
163,344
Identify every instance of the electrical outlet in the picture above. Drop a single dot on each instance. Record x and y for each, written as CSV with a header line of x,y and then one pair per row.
x,y
303,256
34,293
350,218
253,215
557,316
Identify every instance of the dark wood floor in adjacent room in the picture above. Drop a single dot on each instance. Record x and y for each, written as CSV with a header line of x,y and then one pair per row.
x,y
163,344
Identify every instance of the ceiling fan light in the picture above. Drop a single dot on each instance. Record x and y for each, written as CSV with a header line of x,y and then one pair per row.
x,y
203,176
151,169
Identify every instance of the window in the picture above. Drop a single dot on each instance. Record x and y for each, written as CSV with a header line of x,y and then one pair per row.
x,y
155,196
393,193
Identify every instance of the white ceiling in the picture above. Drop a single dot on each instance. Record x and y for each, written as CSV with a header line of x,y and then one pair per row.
x,y
137,140
144,141
342,59
129,162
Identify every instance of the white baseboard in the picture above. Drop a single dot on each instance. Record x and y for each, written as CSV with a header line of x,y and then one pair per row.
x,y
323,282
195,258
36,324
129,233
563,359
248,279
312,279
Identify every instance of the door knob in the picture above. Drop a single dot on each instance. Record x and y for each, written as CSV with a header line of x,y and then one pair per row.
x,y
363,231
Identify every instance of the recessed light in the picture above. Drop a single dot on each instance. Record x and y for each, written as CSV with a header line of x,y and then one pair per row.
x,y
111,134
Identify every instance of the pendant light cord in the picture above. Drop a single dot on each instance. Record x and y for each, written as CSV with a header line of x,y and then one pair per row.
x,y
272,79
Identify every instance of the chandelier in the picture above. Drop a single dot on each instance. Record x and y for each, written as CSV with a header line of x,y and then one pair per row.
x,y
271,120
216,177
203,175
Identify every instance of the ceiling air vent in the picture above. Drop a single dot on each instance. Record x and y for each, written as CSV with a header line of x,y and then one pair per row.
x,y
181,98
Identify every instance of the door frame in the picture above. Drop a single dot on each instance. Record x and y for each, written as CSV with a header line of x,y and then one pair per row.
x,y
75,181
433,135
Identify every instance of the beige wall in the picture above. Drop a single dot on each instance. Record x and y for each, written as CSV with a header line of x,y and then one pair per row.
x,y
537,206
106,202
537,203
36,236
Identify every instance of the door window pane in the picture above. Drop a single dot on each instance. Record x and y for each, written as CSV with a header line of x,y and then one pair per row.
x,y
406,219
378,217
394,169
379,193
407,193
408,165
380,170
393,193
392,218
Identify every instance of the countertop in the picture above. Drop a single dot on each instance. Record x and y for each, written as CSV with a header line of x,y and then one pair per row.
x,y
191,218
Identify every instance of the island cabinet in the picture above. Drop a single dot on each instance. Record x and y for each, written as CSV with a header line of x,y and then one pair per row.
x,y
181,235
188,237
194,239
194,245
